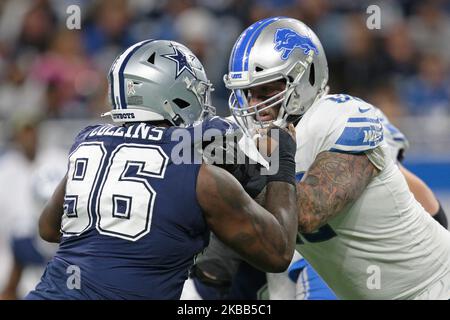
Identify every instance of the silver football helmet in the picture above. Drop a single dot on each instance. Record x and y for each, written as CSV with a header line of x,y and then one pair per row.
x,y
269,50
156,80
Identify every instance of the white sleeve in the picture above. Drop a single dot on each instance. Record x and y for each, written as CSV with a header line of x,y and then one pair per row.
x,y
395,139
355,134
350,127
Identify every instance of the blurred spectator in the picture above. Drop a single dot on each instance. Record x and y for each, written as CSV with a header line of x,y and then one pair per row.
x,y
18,92
107,31
211,39
360,68
72,68
109,26
311,12
60,7
37,27
30,174
385,97
11,20
68,74
430,29
400,53
197,29
429,91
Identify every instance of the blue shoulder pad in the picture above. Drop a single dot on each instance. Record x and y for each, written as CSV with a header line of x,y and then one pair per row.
x,y
82,135
225,126
213,127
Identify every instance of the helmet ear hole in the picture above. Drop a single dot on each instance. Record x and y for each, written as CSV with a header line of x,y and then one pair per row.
x,y
181,103
312,74
151,59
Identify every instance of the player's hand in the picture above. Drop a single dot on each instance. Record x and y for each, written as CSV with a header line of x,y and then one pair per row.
x,y
291,130
267,142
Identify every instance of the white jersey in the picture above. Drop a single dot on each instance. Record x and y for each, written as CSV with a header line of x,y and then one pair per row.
x,y
383,246
394,138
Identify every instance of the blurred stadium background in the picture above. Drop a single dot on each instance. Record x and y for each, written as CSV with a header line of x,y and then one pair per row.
x,y
58,76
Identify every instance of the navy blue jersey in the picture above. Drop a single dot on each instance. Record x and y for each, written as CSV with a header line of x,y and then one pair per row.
x,y
132,224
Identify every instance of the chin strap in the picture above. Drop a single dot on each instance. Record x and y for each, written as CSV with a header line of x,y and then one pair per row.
x,y
174,118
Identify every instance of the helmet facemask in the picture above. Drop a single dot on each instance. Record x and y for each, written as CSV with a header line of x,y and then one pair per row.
x,y
269,50
202,91
249,116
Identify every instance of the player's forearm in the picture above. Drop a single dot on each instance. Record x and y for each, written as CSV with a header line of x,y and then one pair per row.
x,y
334,181
50,219
239,222
49,227
50,223
266,236
280,197
281,202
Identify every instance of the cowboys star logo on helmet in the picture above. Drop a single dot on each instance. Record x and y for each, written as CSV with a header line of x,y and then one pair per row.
x,y
142,85
181,60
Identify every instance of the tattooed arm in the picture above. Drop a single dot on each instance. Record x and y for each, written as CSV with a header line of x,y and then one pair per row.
x,y
265,238
333,181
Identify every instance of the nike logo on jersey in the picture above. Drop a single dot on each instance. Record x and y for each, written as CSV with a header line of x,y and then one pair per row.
x,y
363,110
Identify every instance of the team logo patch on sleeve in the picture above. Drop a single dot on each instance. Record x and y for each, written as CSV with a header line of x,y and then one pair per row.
x,y
359,135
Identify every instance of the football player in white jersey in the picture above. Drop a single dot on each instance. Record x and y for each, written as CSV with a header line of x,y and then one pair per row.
x,y
398,145
301,280
359,225
218,273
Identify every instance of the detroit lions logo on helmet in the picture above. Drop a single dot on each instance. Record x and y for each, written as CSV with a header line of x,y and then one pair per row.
x,y
287,40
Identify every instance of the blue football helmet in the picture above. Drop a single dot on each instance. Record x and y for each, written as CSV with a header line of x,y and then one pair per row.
x,y
270,50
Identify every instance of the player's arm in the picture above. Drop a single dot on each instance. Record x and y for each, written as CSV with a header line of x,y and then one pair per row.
x,y
421,192
424,195
50,219
333,181
265,238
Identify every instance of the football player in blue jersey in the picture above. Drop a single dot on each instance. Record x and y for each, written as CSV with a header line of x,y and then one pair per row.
x,y
128,218
356,214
